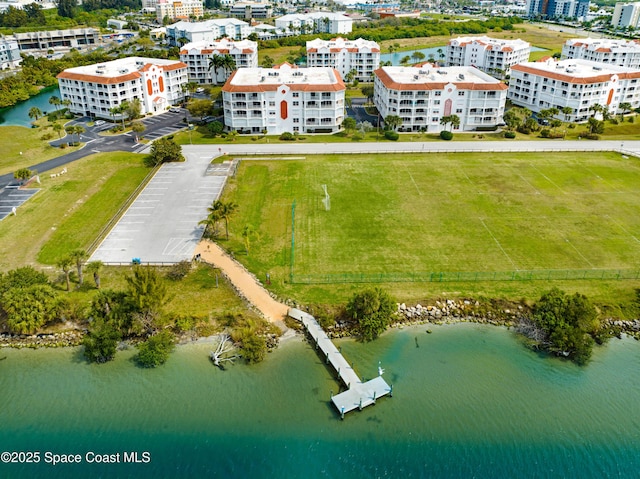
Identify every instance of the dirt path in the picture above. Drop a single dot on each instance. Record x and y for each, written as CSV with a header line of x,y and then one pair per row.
x,y
243,281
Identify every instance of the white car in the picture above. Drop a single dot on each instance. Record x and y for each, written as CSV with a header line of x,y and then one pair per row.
x,y
199,90
99,122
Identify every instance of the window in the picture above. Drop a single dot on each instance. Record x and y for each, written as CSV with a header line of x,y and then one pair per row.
x,y
296,120
460,93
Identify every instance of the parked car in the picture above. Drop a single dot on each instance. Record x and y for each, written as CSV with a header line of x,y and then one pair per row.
x,y
174,110
99,122
199,90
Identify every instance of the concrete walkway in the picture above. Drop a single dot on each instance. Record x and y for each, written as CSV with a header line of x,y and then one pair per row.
x,y
243,281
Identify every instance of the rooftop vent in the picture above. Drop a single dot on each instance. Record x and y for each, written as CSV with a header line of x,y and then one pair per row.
x,y
442,72
597,68
415,77
123,70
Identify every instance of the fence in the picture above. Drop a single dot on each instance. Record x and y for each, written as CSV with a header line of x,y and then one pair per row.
x,y
468,276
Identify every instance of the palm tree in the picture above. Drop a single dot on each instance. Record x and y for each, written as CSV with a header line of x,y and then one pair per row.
x,y
226,211
210,223
66,102
417,56
625,107
215,62
79,256
229,64
55,101
441,53
567,111
35,113
65,265
123,109
57,127
78,130
393,122
95,267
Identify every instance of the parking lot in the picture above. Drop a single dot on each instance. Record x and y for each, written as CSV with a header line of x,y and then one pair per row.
x,y
161,226
12,197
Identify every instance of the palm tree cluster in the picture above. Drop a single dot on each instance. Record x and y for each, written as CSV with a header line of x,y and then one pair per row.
x,y
218,211
453,120
75,130
225,62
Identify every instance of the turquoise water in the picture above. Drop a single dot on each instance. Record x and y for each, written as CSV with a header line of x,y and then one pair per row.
x,y
18,115
470,401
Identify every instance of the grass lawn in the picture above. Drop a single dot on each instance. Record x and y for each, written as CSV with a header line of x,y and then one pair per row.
x,y
18,139
428,213
536,35
69,211
196,295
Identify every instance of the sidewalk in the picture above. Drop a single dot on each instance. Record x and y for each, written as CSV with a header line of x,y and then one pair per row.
x,y
244,282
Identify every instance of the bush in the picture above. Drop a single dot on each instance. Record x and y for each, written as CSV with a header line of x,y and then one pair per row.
x,y
372,309
286,136
391,135
101,342
509,134
545,133
155,350
179,270
446,135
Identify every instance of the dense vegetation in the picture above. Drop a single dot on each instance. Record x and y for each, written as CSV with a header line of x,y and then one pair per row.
x,y
567,325
30,303
395,28
372,309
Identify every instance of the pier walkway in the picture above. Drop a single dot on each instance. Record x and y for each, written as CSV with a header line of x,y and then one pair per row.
x,y
358,394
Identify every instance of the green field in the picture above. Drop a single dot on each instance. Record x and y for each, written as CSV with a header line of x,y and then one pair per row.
x,y
446,213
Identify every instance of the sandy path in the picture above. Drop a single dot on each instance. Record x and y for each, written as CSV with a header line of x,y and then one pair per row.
x,y
243,281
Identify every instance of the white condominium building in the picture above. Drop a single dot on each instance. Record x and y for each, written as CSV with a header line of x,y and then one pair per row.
x,y
178,9
284,99
94,90
625,53
496,57
421,96
576,84
626,15
198,55
211,30
9,53
316,22
360,55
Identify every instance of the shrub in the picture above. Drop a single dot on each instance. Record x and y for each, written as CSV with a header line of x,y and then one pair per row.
x,y
286,136
391,135
545,133
631,119
372,309
155,350
179,270
446,135
509,134
613,121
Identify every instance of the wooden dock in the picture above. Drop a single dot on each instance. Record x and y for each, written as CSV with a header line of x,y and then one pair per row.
x,y
358,394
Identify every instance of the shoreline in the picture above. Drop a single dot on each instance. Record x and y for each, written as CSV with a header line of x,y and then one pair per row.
x,y
445,312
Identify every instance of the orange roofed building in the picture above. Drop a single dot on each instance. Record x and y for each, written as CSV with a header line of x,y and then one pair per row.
x,y
576,84
94,90
360,56
493,56
421,96
284,99
198,55
625,53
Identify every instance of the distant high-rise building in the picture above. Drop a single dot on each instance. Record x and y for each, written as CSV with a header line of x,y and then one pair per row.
x,y
626,15
557,8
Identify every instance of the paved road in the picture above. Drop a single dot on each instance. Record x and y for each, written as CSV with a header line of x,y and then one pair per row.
x,y
156,126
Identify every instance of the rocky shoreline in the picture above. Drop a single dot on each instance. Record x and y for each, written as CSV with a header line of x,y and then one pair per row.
x,y
45,340
441,312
